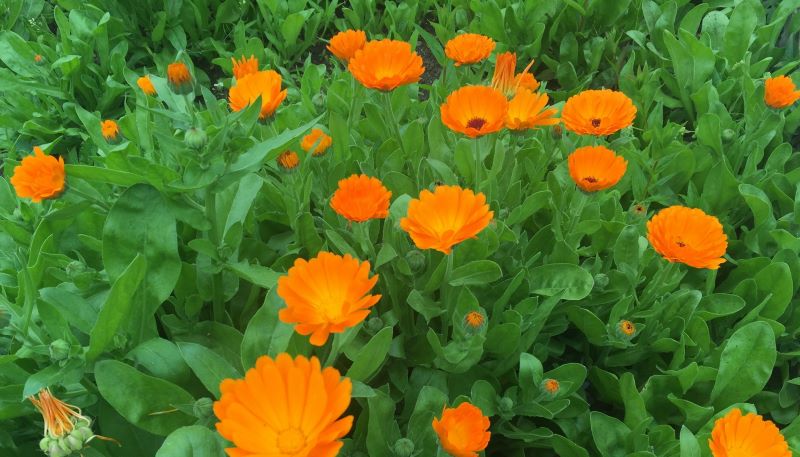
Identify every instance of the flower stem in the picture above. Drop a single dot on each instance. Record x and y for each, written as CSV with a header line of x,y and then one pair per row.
x,y
387,99
477,165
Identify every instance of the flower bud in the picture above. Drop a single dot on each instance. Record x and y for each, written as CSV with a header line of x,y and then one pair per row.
x,y
416,260
59,350
626,329
374,324
56,451
44,444
75,443
505,405
203,407
600,281
728,134
557,132
551,387
195,138
83,432
403,447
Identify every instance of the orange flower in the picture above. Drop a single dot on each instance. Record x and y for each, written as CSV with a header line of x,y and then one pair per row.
x,y
288,160
526,111
146,85
596,168
469,48
326,294
345,44
688,235
747,436
60,418
244,67
264,84
360,198
386,65
179,76
110,130
551,386
780,92
443,218
598,112
39,176
474,111
474,319
37,58
319,138
505,78
463,431
527,81
627,328
285,408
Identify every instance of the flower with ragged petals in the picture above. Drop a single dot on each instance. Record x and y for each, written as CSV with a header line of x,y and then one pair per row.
x,y
146,85
596,168
360,198
66,429
345,44
39,176
244,66
598,112
463,431
780,92
179,77
507,80
469,48
626,329
110,130
551,386
474,111
264,84
386,65
527,111
735,435
288,160
689,236
316,142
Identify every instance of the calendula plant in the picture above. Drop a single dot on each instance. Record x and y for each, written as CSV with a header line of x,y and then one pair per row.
x,y
317,229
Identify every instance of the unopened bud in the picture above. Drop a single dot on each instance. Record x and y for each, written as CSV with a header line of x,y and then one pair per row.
x,y
374,324
600,281
416,260
59,350
728,134
505,404
403,447
195,138
203,407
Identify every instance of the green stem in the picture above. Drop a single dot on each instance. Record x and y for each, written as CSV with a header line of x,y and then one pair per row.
x,y
477,165
387,99
216,279
444,295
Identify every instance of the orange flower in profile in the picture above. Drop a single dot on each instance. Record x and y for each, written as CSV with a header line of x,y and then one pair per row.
x,y
596,168
474,111
445,217
110,130
598,112
264,84
469,48
288,160
345,44
326,294
244,67
285,408
360,198
527,81
39,176
319,138
463,431
688,235
386,65
527,110
780,92
146,85
179,77
505,78
735,435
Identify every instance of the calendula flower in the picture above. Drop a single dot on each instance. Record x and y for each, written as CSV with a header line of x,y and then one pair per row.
x,y
463,431
146,85
750,435
285,408
596,168
110,130
598,112
345,44
244,67
326,294
689,236
527,81
386,65
780,92
37,58
626,328
288,160
65,428
469,48
551,386
505,78
179,77
39,176
317,140
474,319
443,218
360,198
474,111
264,84
527,110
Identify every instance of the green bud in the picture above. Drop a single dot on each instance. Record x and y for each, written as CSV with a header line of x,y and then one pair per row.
x,y
44,444
505,405
74,268
74,442
403,447
416,260
59,350
84,432
120,340
56,451
374,324
600,281
195,138
203,407
728,134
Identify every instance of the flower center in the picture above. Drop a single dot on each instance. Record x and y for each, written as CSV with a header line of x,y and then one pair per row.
x,y
476,123
590,179
680,243
291,441
595,122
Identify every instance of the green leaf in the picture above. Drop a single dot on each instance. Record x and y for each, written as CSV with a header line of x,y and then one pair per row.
x,y
209,367
745,365
192,441
104,175
372,356
609,434
740,30
689,445
259,275
265,333
292,25
479,272
548,280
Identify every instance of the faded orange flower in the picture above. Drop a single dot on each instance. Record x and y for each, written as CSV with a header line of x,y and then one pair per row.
x,y
551,386
326,294
527,110
506,79
285,408
345,44
110,130
146,85
39,176
598,112
386,65
360,198
735,435
244,67
445,217
60,418
780,92
469,48
627,328
179,77
463,431
264,84
319,138
474,111
689,236
288,160
596,168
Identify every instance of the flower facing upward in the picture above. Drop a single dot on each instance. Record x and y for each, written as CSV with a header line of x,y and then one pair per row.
x,y
780,92
598,112
688,235
39,176
386,65
285,408
146,85
469,48
527,110
445,217
474,111
110,130
179,76
551,386
463,431
747,436
474,319
264,84
318,140
244,67
505,78
626,328
37,58
596,168
345,44
288,160
326,294
360,198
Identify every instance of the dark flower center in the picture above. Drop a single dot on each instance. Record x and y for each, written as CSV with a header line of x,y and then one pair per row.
x,y
590,179
476,123
595,123
680,243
